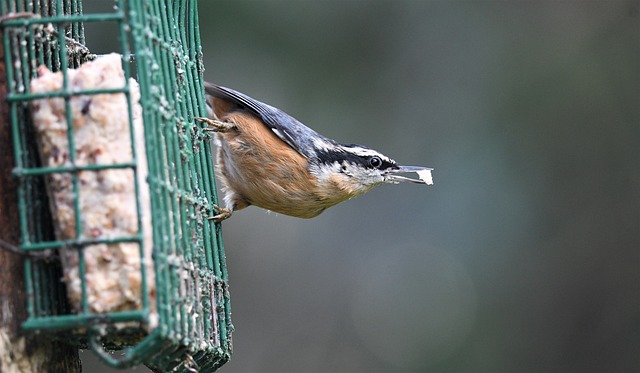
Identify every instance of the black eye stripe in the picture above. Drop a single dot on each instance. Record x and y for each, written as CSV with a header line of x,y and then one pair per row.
x,y
340,156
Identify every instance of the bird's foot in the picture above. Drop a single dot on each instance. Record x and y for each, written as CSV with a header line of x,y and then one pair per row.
x,y
216,125
223,213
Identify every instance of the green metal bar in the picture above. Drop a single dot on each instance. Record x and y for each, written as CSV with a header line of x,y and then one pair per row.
x,y
157,164
82,270
176,58
125,50
61,19
170,153
219,258
17,144
31,47
50,296
37,282
22,204
37,171
78,242
165,135
18,157
28,281
62,322
74,25
221,315
80,32
24,54
160,215
63,93
40,56
202,329
137,19
6,42
33,286
41,278
200,201
172,143
196,327
208,330
133,356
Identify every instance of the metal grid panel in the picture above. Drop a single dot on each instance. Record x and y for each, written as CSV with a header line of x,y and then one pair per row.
x,y
191,279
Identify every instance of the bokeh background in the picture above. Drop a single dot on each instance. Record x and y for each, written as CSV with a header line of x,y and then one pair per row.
x,y
525,254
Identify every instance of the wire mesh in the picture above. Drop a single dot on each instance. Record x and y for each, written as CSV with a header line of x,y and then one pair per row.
x,y
159,43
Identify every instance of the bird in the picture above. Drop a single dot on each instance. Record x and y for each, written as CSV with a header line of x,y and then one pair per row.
x,y
269,159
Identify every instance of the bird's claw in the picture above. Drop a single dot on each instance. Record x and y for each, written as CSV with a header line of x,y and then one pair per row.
x,y
216,125
223,213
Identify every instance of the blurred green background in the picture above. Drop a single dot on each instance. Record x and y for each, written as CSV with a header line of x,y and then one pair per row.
x,y
525,254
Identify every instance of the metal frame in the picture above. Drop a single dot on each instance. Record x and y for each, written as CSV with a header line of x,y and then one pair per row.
x,y
163,40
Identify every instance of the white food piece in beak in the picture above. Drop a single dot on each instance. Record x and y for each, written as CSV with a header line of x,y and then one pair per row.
x,y
425,175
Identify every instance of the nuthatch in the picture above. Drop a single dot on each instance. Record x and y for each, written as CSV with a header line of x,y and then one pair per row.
x,y
268,159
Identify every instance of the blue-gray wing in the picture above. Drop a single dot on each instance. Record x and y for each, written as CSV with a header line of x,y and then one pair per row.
x,y
301,138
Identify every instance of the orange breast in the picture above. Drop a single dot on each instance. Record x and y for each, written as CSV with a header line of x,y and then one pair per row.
x,y
264,171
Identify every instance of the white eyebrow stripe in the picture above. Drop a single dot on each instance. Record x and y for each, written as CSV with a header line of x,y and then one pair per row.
x,y
366,152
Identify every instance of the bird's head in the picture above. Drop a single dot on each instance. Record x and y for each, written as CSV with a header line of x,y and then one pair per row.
x,y
356,169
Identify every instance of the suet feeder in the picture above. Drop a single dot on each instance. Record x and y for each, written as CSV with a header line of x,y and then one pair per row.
x,y
169,305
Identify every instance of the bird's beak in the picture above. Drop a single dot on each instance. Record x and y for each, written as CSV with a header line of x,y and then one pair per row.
x,y
424,175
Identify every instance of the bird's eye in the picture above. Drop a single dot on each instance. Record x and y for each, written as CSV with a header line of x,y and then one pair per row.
x,y
375,161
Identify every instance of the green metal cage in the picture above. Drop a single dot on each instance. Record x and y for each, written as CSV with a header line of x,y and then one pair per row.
x,y
160,47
